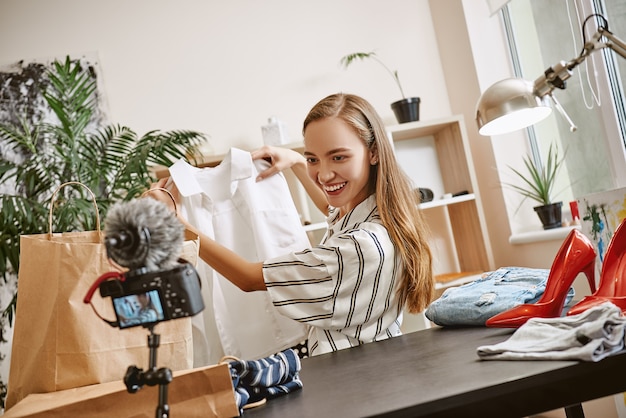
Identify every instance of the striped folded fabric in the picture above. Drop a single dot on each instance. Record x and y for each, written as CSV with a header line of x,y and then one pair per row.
x,y
255,381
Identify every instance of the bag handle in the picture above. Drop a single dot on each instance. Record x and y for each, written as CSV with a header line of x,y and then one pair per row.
x,y
162,189
93,199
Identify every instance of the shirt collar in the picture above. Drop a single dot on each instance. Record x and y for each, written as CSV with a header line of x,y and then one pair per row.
x,y
357,215
237,163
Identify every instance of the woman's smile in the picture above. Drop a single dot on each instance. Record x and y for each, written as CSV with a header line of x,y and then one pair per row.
x,y
334,188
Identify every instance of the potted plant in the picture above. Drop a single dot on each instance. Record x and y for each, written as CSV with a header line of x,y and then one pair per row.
x,y
406,109
538,185
113,161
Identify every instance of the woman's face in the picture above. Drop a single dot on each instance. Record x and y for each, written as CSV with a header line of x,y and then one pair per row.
x,y
338,161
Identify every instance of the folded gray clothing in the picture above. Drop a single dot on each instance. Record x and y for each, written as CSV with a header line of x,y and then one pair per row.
x,y
591,335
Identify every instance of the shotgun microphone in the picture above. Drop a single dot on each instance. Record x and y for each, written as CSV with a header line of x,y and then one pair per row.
x,y
143,234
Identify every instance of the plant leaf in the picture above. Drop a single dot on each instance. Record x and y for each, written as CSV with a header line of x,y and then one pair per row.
x,y
539,180
111,160
347,60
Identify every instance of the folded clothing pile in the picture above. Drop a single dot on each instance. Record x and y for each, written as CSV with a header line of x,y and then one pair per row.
x,y
589,336
257,380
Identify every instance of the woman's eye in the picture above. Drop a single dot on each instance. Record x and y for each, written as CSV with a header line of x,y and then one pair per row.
x,y
338,157
311,160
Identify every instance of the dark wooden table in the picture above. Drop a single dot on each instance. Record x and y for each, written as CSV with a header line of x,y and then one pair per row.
x,y
437,373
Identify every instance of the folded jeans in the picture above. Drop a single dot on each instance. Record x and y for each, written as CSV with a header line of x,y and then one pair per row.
x,y
473,303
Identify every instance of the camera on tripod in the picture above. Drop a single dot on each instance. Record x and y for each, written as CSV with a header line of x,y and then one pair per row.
x,y
148,298
145,237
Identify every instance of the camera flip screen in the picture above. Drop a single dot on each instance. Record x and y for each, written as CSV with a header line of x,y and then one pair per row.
x,y
138,309
154,296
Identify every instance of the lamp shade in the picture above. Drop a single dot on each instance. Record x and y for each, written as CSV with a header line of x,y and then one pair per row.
x,y
509,105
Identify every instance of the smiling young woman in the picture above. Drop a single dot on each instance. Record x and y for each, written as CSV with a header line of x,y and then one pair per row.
x,y
374,259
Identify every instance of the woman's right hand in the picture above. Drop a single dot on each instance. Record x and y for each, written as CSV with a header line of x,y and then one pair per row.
x,y
279,158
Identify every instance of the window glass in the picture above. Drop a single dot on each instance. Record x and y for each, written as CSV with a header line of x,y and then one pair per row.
x,y
544,33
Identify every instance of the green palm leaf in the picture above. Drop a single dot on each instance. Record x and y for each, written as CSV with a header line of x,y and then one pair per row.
x,y
111,160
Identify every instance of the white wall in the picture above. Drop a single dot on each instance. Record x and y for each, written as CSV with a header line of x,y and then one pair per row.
x,y
223,68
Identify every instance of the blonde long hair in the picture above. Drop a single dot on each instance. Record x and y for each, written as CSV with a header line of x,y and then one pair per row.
x,y
395,197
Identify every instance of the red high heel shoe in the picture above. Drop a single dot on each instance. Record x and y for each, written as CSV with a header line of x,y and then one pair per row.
x,y
612,287
575,255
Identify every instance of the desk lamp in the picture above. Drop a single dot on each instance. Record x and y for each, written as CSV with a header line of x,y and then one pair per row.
x,y
514,103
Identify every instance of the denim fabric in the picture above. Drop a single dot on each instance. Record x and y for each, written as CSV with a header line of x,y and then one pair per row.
x,y
497,291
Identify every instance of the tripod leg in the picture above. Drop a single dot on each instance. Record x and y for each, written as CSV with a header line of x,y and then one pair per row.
x,y
163,410
164,377
154,340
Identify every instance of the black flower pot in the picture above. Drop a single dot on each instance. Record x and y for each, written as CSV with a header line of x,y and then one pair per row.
x,y
550,215
407,110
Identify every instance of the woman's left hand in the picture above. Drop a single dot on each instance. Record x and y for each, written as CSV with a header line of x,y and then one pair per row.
x,y
280,159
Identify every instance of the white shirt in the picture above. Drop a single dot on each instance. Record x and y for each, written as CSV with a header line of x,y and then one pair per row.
x,y
257,220
346,287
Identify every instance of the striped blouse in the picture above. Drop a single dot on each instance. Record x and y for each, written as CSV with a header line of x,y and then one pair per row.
x,y
345,288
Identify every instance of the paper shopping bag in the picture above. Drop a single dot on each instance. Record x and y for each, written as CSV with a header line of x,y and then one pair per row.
x,y
58,341
204,392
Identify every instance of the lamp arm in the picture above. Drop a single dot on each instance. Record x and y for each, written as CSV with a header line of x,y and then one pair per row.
x,y
555,76
557,105
615,43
